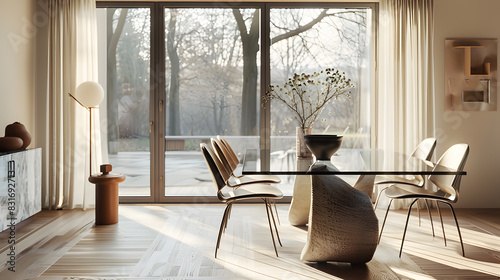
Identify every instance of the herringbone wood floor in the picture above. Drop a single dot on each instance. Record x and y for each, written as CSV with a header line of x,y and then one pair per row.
x,y
177,242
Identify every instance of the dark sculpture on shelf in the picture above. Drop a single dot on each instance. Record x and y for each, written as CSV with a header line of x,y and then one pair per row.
x,y
8,144
16,138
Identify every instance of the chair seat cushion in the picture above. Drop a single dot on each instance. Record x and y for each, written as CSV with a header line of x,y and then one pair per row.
x,y
394,179
400,191
248,191
251,179
343,226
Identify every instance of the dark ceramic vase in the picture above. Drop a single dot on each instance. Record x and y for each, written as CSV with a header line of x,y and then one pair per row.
x,y
17,129
323,146
8,144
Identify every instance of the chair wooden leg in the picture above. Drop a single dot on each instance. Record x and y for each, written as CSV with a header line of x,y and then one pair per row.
x,y
418,211
222,225
228,215
276,210
270,227
383,223
441,217
230,206
458,227
274,222
430,216
406,226
378,197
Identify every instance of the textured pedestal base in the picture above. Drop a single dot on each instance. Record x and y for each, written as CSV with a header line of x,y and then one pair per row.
x,y
298,215
343,226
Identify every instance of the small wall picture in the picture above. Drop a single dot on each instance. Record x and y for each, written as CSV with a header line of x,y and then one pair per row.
x,y
481,94
470,74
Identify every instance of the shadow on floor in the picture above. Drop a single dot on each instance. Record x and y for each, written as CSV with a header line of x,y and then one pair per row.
x,y
344,270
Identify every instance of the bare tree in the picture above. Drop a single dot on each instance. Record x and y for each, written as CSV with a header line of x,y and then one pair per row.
x,y
128,75
310,51
113,36
248,26
250,41
207,76
174,123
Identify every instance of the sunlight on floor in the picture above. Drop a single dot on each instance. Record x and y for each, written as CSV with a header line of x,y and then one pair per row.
x,y
411,274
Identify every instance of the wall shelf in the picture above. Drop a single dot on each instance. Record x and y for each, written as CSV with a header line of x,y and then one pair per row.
x,y
468,70
470,74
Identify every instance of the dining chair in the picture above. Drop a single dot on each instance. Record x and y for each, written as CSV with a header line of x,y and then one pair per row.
x,y
423,151
233,157
230,161
230,195
228,158
448,188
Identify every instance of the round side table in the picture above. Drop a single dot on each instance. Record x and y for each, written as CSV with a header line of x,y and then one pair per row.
x,y
106,195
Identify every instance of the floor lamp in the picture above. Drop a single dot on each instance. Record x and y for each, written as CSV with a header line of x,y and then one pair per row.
x,y
89,95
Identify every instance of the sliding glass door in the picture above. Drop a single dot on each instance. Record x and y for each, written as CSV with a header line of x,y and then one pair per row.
x,y
125,63
212,88
178,74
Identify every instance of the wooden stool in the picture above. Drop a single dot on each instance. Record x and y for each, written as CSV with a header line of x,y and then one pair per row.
x,y
106,195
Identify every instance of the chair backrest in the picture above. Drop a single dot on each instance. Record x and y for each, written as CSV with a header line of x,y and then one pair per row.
x,y
223,154
219,173
357,136
453,159
233,158
425,149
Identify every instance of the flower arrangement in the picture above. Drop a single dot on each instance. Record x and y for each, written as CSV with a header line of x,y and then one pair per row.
x,y
307,94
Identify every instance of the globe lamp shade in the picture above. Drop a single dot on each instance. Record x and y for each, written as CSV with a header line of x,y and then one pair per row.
x,y
89,94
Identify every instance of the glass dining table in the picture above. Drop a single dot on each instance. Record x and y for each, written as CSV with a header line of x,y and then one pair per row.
x,y
366,163
344,162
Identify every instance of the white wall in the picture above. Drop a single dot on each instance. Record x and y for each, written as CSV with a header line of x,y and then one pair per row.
x,y
17,64
481,130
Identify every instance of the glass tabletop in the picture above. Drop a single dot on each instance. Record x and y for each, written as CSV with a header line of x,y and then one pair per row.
x,y
344,162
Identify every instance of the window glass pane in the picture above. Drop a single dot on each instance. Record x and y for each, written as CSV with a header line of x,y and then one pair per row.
x,y
124,63
212,85
212,74
309,40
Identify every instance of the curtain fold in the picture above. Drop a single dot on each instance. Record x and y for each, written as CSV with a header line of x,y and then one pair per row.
x,y
71,60
405,101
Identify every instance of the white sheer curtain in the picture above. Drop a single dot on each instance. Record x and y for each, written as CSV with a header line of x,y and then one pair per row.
x,y
71,60
405,101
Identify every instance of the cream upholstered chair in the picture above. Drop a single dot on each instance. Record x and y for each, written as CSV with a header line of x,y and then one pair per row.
x,y
342,223
229,195
423,151
448,186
